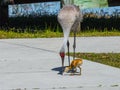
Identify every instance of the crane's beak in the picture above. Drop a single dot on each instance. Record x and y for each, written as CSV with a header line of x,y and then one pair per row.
x,y
62,55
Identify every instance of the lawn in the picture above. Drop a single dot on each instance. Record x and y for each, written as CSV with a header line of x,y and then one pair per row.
x,y
112,59
51,34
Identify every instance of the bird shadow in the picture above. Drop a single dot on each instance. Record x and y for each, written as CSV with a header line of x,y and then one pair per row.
x,y
59,70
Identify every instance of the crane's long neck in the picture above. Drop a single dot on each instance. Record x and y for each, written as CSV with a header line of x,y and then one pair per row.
x,y
66,36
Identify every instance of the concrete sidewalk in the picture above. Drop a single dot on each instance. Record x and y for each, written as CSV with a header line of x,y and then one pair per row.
x,y
34,64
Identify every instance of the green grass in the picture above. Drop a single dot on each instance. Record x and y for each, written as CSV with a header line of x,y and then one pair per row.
x,y
97,33
112,59
40,34
50,34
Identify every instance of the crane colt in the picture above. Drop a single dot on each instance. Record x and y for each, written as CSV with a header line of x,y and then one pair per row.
x,y
76,63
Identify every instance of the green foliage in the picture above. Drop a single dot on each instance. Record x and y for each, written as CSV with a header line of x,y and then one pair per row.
x,y
101,23
32,24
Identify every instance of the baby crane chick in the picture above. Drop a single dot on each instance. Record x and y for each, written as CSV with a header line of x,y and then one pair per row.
x,y
76,63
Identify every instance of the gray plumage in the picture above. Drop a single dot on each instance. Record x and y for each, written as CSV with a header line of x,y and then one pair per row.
x,y
69,18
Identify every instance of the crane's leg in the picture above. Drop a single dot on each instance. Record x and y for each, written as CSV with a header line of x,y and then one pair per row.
x,y
74,45
68,46
80,69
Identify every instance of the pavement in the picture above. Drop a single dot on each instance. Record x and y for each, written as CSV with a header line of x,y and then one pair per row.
x,y
34,64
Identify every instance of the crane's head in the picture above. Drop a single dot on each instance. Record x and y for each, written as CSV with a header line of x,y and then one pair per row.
x,y
62,52
62,55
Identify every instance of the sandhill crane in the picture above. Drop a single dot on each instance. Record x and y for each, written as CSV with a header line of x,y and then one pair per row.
x,y
69,18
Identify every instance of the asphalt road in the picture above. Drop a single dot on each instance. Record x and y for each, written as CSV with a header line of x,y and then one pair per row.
x,y
34,64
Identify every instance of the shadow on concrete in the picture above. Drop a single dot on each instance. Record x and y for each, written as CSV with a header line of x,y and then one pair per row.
x,y
59,69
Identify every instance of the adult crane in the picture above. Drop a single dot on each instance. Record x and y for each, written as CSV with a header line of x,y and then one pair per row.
x,y
69,18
